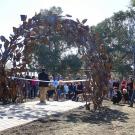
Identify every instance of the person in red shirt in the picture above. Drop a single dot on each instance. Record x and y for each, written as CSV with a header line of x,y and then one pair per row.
x,y
123,85
33,87
124,91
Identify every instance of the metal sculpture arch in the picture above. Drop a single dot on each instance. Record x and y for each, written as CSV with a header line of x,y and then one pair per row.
x,y
44,29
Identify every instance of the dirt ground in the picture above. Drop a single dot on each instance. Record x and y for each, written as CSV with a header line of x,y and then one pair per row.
x,y
110,120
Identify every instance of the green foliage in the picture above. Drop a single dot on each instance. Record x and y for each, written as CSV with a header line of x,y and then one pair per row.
x,y
50,59
133,3
71,62
56,10
52,10
117,33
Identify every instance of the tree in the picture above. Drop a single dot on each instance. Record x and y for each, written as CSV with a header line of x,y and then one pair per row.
x,y
132,2
50,59
49,55
71,63
117,33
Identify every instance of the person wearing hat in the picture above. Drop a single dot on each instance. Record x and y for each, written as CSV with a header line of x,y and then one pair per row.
x,y
43,86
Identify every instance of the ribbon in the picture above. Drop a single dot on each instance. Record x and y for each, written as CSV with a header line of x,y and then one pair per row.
x,y
84,80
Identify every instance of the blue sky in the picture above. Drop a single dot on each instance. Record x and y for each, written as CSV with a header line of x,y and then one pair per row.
x,y
94,10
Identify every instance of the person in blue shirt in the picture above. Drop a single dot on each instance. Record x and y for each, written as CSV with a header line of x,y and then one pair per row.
x,y
55,84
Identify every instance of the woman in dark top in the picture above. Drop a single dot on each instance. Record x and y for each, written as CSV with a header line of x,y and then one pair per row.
x,y
130,87
71,90
116,84
79,90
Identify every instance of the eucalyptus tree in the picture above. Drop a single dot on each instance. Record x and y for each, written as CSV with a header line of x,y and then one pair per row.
x,y
117,33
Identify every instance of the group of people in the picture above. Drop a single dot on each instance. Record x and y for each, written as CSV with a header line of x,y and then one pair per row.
x,y
46,87
122,91
51,87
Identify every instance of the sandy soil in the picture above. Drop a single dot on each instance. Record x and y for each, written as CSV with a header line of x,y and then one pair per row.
x,y
110,120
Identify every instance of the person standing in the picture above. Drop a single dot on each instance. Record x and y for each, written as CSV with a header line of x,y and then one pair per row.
x,y
55,84
123,85
133,95
111,88
66,90
33,87
28,86
43,86
130,88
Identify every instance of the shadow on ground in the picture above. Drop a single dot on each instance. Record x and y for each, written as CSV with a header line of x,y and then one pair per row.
x,y
105,115
53,123
23,112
